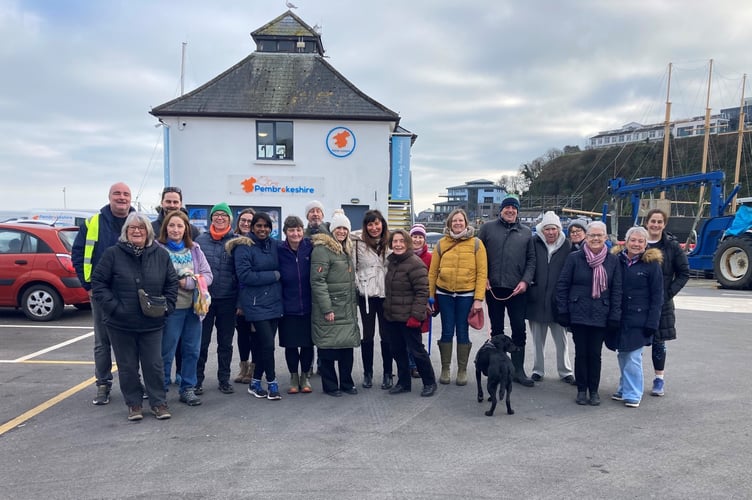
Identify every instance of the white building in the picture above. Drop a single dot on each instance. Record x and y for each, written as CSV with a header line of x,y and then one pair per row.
x,y
635,132
281,128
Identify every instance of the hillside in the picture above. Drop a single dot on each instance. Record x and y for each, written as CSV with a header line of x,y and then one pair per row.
x,y
587,173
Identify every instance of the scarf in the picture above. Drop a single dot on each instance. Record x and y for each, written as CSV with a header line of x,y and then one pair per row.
x,y
467,233
421,251
137,251
175,246
595,261
216,235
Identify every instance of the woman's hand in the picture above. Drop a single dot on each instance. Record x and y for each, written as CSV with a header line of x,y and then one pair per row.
x,y
329,316
477,304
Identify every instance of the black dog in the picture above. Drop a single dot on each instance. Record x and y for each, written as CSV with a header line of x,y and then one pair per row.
x,y
493,362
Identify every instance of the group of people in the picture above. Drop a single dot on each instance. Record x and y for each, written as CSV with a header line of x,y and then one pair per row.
x,y
317,286
621,297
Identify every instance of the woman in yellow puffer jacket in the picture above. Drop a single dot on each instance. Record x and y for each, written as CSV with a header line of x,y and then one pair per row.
x,y
457,283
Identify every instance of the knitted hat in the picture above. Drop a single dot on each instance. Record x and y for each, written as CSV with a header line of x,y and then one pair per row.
x,y
339,219
550,219
221,207
510,200
314,204
418,229
578,223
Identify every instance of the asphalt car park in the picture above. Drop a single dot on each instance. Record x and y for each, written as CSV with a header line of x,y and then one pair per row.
x,y
692,443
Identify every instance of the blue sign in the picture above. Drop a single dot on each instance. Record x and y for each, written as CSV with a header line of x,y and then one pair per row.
x,y
400,184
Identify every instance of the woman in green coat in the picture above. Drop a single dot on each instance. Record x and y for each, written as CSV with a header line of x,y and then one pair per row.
x,y
334,314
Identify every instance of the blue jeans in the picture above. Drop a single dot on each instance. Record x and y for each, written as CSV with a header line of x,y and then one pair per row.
x,y
454,311
182,325
630,382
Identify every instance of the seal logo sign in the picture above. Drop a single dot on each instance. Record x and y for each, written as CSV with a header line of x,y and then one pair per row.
x,y
340,141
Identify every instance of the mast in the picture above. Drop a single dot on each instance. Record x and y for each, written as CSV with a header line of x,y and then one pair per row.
x,y
739,143
706,141
182,67
666,130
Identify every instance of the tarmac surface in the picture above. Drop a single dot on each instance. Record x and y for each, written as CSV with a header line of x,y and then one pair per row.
x,y
692,443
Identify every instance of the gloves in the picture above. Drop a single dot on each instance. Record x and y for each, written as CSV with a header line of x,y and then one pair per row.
x,y
564,319
413,323
435,308
277,276
649,332
613,325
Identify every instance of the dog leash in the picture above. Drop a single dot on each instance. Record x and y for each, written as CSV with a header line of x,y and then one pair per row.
x,y
490,290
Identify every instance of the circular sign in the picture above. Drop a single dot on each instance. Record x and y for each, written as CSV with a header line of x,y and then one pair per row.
x,y
340,141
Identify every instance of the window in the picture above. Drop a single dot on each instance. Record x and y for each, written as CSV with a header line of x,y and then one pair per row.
x,y
274,141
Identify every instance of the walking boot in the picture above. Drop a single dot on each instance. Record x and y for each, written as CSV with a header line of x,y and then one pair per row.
x,y
518,360
366,354
305,383
463,353
242,373
249,374
445,350
294,384
387,381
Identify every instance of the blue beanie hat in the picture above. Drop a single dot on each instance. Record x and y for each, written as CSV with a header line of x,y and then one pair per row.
x,y
510,201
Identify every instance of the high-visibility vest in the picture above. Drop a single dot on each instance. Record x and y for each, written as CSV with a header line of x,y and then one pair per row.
x,y
92,236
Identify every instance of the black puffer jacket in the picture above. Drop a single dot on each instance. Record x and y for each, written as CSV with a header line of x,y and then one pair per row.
x,y
574,292
406,288
225,282
675,269
119,275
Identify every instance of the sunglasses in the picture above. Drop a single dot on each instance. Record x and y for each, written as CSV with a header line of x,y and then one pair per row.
x,y
171,189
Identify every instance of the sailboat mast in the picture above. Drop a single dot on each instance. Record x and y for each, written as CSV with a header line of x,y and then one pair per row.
x,y
666,131
706,142
739,143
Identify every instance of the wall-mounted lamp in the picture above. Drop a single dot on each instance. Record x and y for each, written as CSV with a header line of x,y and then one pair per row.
x,y
354,201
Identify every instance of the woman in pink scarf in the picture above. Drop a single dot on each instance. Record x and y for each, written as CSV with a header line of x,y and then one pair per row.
x,y
588,300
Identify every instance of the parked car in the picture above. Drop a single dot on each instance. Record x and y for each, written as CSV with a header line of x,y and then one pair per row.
x,y
36,271
432,239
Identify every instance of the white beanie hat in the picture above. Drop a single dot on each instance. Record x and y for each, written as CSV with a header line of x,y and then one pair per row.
x,y
339,219
549,219
314,204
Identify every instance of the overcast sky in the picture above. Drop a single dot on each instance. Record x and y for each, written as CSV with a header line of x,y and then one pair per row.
x,y
487,85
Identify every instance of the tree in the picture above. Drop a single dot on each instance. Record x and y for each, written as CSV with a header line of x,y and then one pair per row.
x,y
513,183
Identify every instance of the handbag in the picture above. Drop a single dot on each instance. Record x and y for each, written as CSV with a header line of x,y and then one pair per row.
x,y
153,306
476,318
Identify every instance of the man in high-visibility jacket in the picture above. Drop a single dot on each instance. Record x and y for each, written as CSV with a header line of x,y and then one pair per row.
x,y
96,235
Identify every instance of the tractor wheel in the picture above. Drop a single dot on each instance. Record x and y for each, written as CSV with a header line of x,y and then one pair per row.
x,y
731,263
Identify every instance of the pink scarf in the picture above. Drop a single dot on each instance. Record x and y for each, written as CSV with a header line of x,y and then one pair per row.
x,y
595,261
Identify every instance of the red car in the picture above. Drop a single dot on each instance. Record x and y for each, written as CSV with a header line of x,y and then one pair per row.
x,y
36,272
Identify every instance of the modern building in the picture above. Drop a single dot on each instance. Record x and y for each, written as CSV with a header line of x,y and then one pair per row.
x,y
634,132
480,198
283,127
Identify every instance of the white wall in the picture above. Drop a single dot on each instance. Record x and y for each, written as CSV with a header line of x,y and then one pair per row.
x,y
210,156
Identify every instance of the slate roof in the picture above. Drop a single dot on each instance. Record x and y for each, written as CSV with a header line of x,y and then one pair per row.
x,y
279,85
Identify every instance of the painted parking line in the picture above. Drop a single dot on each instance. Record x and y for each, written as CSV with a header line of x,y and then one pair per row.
x,y
728,303
21,419
48,349
28,359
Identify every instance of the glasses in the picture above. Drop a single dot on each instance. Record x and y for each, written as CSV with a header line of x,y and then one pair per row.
x,y
593,236
141,229
220,215
576,230
245,221
171,189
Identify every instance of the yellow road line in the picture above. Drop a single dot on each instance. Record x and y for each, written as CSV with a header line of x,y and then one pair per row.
x,y
19,420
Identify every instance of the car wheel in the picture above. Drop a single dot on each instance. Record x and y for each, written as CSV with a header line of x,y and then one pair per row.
x,y
41,303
